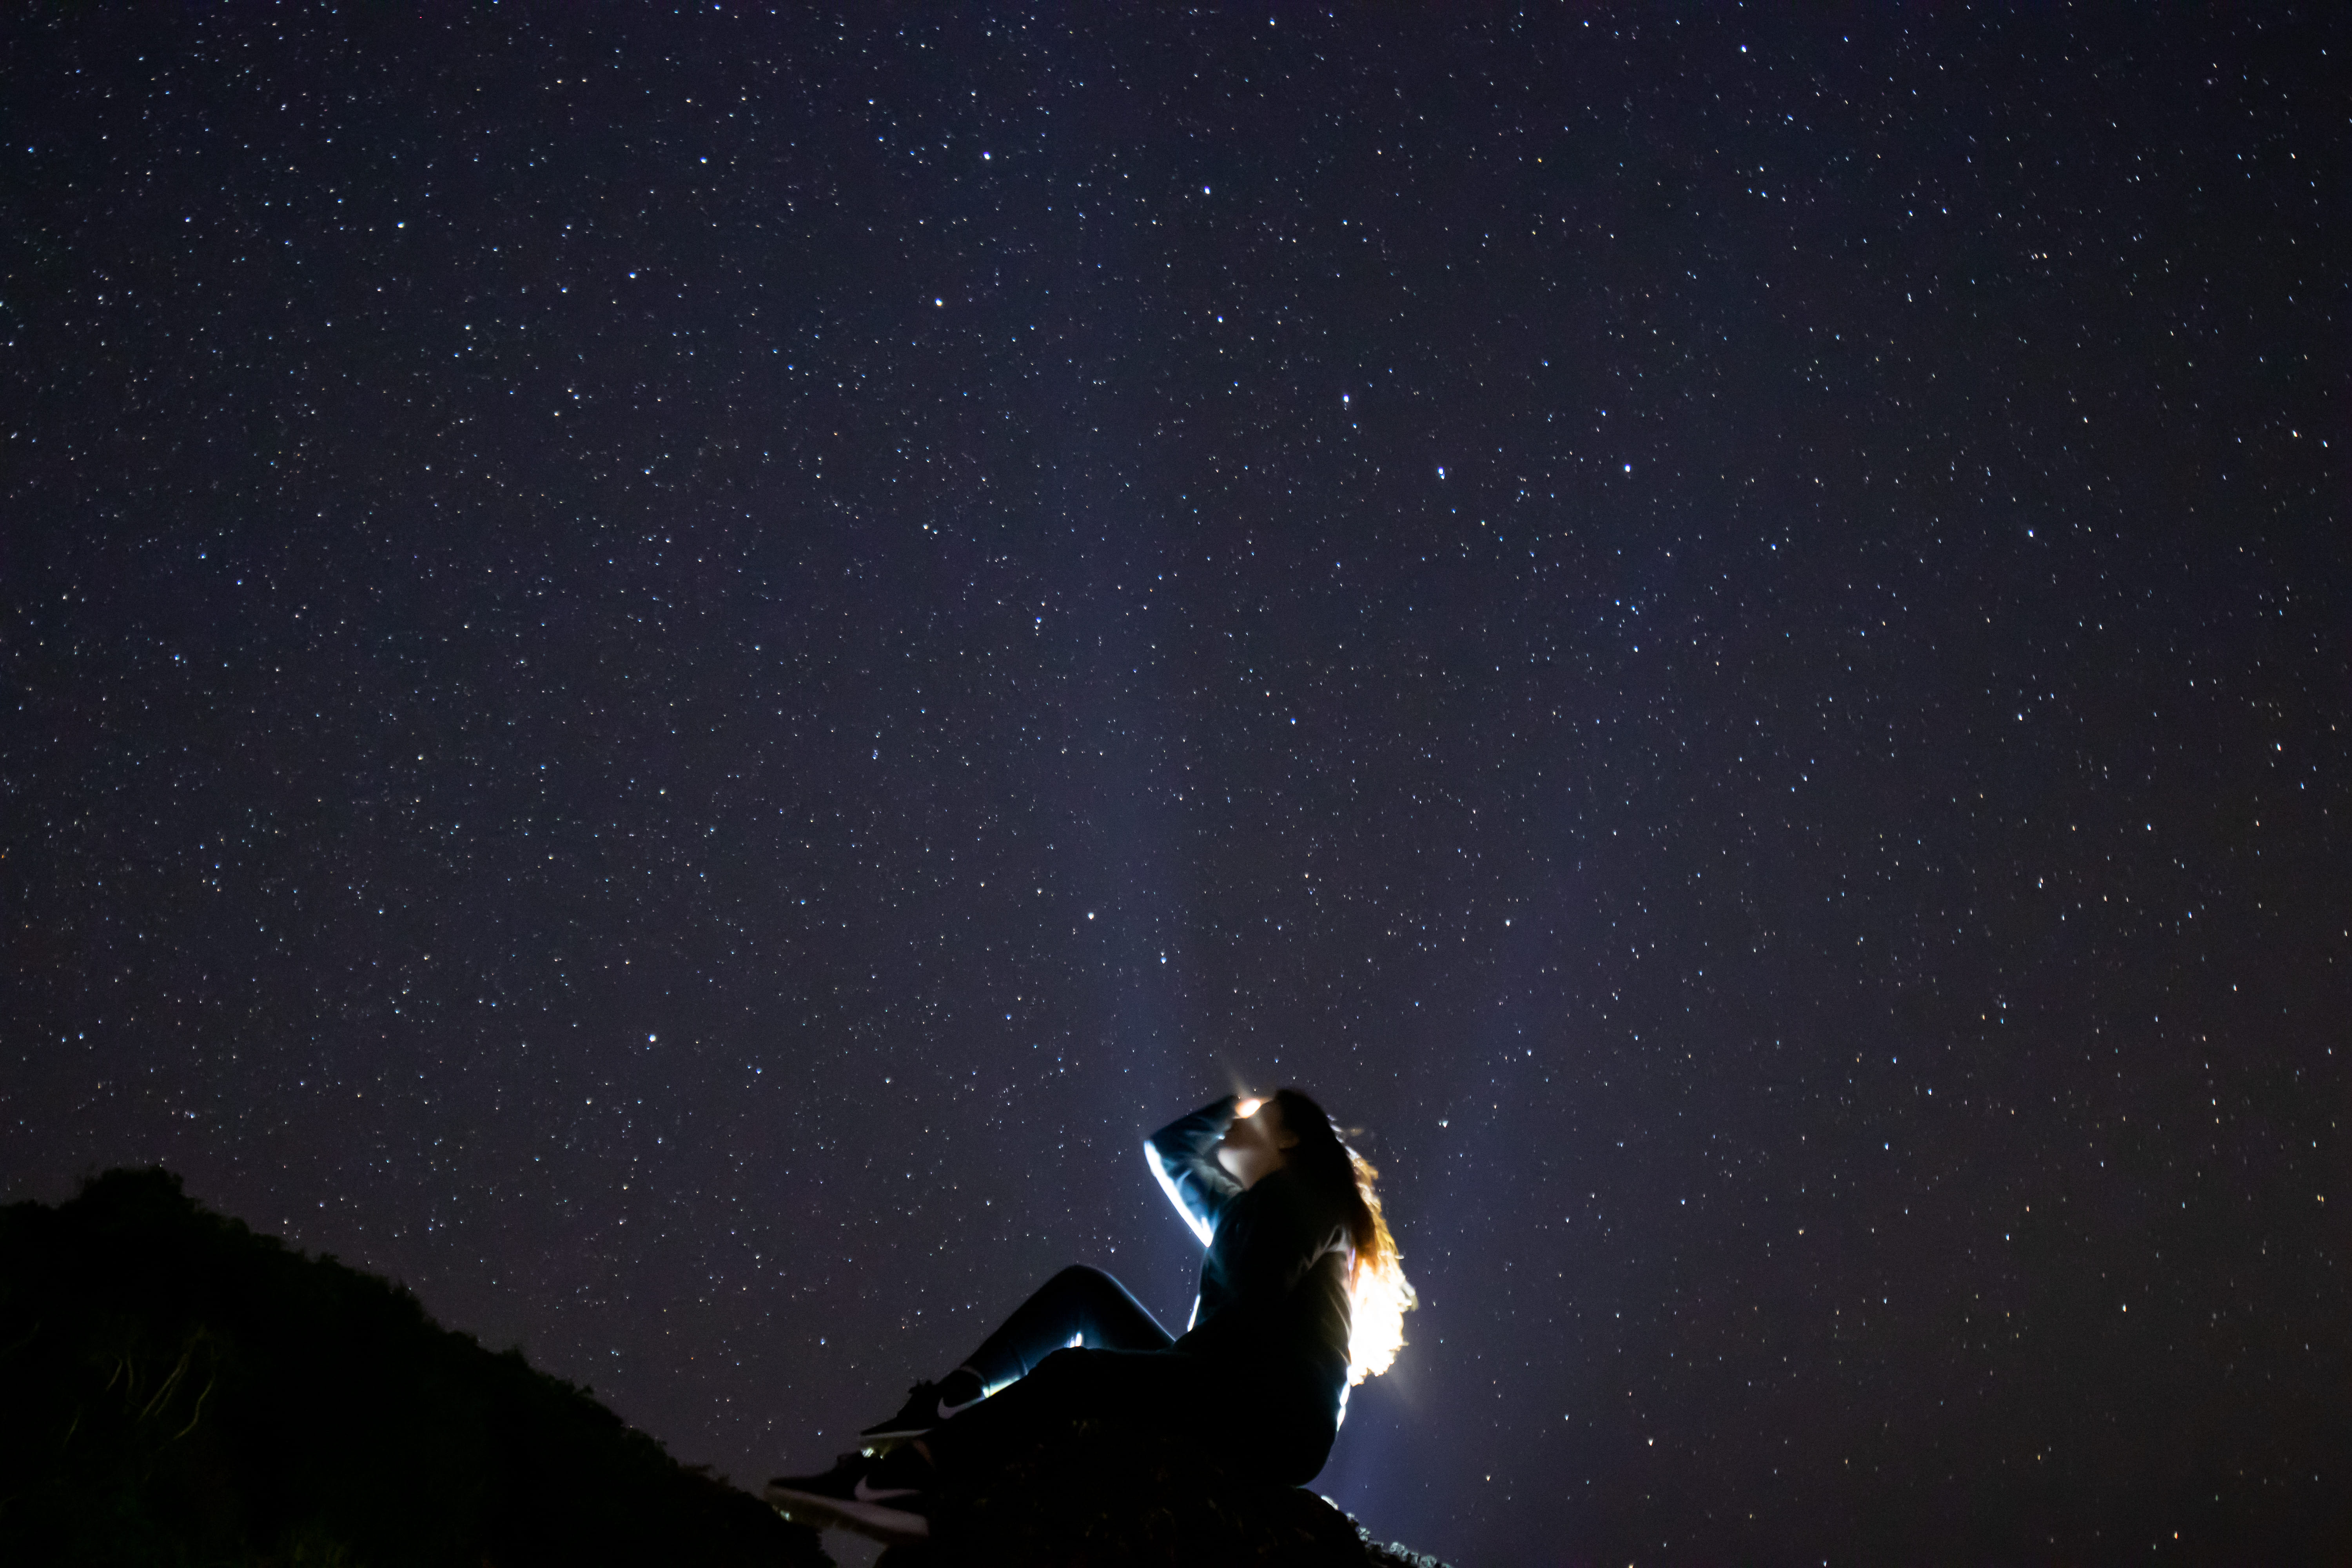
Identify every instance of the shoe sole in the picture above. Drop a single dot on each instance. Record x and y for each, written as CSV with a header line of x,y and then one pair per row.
x,y
876,1521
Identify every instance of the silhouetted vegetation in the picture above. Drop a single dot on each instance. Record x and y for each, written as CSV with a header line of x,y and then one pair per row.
x,y
179,1391
1103,1495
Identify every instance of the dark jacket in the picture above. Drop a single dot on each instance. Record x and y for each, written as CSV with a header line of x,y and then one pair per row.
x,y
1273,1286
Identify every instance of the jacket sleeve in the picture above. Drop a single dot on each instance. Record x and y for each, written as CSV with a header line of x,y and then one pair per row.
x,y
1183,1156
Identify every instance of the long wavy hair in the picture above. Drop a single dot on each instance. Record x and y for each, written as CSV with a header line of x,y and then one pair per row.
x,y
1378,1295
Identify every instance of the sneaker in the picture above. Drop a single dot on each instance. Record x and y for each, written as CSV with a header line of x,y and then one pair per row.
x,y
927,1405
847,1495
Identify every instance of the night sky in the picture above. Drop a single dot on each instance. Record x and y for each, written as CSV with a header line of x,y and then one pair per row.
x,y
667,673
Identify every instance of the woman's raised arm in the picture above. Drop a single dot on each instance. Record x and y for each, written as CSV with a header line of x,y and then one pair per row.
x,y
1183,1156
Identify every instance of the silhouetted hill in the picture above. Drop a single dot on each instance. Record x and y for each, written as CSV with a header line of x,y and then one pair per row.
x,y
178,1390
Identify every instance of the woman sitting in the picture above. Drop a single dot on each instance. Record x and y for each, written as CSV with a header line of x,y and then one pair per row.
x,y
1301,1297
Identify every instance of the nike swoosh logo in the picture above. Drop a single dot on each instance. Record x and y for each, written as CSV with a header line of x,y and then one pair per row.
x,y
947,1410
865,1492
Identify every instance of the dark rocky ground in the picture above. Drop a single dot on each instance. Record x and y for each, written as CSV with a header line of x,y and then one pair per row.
x,y
1100,1495
175,1390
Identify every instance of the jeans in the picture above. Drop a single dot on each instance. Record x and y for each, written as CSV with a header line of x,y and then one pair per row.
x,y
1268,1425
1077,1304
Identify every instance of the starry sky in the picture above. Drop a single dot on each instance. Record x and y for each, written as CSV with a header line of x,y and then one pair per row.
x,y
668,672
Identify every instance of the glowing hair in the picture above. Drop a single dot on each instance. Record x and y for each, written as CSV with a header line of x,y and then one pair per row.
x,y
1378,1295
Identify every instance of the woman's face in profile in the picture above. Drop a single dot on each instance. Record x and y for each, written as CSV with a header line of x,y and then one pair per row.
x,y
1253,1144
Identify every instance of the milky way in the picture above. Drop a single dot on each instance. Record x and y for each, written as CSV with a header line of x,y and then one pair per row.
x,y
669,674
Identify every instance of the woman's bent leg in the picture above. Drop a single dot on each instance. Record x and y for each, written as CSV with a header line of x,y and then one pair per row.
x,y
1079,1303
